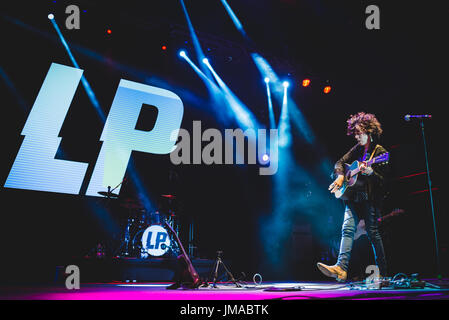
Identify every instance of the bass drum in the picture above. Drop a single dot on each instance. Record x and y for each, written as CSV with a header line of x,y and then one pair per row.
x,y
153,241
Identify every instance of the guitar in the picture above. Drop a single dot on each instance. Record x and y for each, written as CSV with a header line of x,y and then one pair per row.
x,y
351,173
361,226
189,277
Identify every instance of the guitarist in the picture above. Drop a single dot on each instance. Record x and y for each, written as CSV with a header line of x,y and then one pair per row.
x,y
365,200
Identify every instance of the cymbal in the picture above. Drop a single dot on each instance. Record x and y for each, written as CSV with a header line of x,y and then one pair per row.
x,y
108,194
169,196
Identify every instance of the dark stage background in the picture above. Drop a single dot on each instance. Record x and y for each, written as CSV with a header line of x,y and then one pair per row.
x,y
397,70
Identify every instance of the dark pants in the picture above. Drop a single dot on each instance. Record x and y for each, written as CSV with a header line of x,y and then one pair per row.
x,y
354,211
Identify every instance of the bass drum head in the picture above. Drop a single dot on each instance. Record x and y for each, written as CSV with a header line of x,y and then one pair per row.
x,y
155,241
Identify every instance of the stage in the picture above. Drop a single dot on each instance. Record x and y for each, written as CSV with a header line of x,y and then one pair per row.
x,y
226,291
146,144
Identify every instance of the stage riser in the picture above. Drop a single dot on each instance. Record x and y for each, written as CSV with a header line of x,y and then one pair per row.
x,y
138,270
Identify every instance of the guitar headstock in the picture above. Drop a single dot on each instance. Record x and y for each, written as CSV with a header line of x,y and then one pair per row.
x,y
383,158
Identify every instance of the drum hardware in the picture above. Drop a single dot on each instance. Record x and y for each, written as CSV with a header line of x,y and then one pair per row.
x,y
109,194
191,246
131,204
124,247
144,233
168,207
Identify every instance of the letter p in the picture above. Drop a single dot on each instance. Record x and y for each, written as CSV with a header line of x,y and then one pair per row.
x,y
120,137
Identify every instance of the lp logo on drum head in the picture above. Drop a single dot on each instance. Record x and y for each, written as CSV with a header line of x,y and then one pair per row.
x,y
155,241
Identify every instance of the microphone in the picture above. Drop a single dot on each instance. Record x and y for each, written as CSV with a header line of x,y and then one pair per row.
x,y
409,117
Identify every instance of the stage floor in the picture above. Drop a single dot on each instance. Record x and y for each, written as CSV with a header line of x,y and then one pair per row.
x,y
225,291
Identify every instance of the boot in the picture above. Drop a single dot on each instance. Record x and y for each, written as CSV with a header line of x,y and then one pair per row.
x,y
333,271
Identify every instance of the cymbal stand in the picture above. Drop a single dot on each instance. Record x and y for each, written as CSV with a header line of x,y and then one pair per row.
x,y
191,240
109,187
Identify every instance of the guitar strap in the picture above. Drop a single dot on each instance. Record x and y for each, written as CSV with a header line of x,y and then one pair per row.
x,y
372,154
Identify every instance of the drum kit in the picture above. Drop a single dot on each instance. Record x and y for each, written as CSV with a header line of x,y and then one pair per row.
x,y
144,233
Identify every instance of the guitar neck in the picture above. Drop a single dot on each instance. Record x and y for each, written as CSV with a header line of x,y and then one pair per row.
x,y
177,239
357,170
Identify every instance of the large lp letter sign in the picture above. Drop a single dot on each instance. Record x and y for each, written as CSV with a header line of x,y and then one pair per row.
x,y
35,167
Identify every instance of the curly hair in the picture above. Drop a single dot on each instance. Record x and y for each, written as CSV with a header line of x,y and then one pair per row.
x,y
365,122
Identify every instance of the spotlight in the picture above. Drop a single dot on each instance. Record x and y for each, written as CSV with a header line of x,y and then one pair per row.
x,y
51,16
267,80
327,89
265,159
182,53
205,61
305,82
285,84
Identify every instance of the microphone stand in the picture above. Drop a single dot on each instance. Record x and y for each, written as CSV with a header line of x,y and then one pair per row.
x,y
429,182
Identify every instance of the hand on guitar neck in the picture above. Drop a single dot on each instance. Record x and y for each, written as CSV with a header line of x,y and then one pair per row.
x,y
365,169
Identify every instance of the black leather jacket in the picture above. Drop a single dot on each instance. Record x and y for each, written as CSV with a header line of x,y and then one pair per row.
x,y
375,184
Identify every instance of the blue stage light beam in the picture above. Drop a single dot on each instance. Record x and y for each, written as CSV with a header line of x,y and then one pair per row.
x,y
208,82
296,115
196,43
243,116
270,105
275,228
138,74
131,168
97,57
84,81
219,99
216,99
284,122
19,98
103,216
234,18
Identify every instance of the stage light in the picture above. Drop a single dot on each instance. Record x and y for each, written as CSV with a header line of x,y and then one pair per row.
x,y
270,104
182,53
327,89
305,82
264,160
285,84
84,81
51,16
243,114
